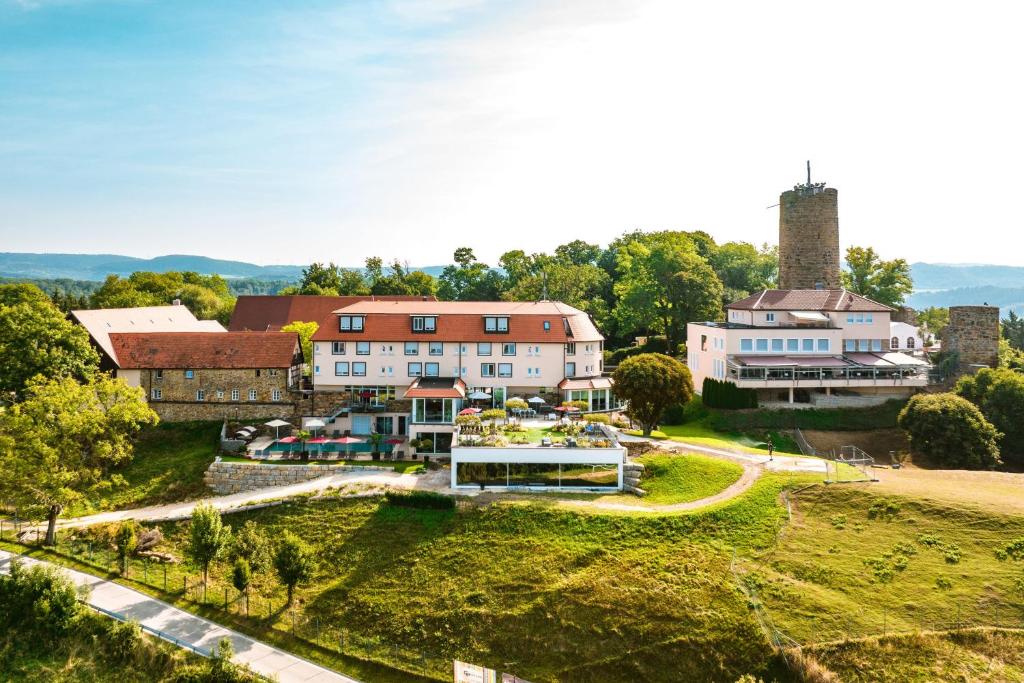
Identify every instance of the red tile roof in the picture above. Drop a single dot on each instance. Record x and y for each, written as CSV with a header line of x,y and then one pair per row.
x,y
269,313
214,350
436,387
807,300
463,321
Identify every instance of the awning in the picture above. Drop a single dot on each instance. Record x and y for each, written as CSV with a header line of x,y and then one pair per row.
x,y
903,359
581,384
791,361
809,315
885,360
436,387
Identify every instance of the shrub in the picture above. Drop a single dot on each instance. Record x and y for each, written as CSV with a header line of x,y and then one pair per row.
x,y
826,419
1013,550
951,431
492,415
123,640
421,500
253,546
726,395
467,420
126,541
293,562
516,404
39,601
600,418
999,394
674,415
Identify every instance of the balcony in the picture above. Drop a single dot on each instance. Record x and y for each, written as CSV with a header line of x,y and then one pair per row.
x,y
854,370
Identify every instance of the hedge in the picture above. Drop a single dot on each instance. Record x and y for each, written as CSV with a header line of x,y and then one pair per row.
x,y
882,416
422,500
726,395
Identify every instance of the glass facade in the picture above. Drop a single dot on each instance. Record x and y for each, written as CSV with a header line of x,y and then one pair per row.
x,y
433,410
537,474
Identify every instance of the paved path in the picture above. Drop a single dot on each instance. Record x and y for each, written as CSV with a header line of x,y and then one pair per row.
x,y
183,510
195,631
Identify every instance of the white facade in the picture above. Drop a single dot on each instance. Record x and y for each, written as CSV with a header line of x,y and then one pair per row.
x,y
571,460
905,338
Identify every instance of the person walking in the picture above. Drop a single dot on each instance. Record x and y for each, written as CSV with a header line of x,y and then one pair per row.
x,y
771,449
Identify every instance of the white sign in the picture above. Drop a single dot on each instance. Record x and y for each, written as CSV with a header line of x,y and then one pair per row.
x,y
471,673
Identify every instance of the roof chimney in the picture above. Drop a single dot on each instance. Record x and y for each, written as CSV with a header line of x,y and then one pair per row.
x,y
176,302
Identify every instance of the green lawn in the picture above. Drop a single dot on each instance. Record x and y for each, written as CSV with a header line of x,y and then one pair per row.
x,y
555,594
855,563
168,466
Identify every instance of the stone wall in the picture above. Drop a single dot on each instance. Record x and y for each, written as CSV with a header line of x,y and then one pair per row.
x,y
232,477
809,239
973,334
178,401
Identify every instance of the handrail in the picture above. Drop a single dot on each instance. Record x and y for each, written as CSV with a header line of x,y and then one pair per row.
x,y
163,635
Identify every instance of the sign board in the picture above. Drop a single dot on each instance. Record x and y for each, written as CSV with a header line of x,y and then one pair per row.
x,y
471,673
509,678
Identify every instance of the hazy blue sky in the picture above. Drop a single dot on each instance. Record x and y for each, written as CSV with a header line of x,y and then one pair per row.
x,y
290,131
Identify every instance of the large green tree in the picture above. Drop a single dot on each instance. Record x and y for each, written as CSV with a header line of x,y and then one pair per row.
x,y
887,282
950,431
305,330
208,537
999,394
744,269
650,383
933,321
293,561
662,285
398,279
36,339
64,440
468,279
207,296
1013,330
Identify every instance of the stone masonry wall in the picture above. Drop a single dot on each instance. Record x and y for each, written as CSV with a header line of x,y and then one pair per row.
x,y
973,333
178,395
232,477
809,240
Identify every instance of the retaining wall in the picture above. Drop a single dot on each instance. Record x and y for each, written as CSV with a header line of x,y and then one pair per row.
x,y
232,477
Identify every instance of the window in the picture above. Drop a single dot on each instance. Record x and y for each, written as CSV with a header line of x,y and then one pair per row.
x,y
338,348
862,345
495,324
415,369
412,348
220,394
547,325
436,349
156,394
849,318
869,318
350,323
424,323
762,345
275,395
849,345
508,349
252,394
824,346
341,369
777,345
359,369
894,343
769,317
234,394
536,372
159,375
746,344
362,348
504,369
316,369
910,342
807,345
570,349
431,369
483,349
257,372
529,372
487,369
792,345
189,374
570,369
876,344
859,319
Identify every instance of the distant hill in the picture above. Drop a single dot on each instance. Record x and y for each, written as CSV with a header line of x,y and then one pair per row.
x,y
934,276
1007,298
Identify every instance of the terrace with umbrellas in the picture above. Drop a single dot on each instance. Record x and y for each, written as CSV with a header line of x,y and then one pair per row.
x,y
310,442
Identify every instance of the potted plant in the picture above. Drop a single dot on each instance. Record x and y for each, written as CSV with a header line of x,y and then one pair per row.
x,y
303,436
376,439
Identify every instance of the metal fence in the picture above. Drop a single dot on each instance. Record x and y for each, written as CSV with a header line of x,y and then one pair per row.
x,y
202,652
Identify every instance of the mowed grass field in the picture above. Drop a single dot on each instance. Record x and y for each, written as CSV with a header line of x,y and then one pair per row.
x,y
855,562
549,594
168,466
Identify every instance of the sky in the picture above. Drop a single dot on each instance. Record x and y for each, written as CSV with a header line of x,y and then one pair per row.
x,y
288,132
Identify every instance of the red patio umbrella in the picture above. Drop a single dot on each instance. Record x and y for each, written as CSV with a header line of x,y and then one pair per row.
x,y
347,440
469,411
394,442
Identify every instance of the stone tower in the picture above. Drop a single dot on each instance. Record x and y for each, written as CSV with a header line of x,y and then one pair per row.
x,y
973,333
809,237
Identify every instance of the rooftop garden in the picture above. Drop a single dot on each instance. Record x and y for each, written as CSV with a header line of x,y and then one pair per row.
x,y
476,432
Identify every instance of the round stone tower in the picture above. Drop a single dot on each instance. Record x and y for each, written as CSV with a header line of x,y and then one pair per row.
x,y
973,334
809,237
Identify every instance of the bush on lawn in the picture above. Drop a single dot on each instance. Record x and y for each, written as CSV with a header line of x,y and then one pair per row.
x,y
39,602
726,395
950,431
600,418
882,416
420,500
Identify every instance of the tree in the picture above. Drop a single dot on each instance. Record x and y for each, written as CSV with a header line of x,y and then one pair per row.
x,y
1009,357
1013,330
321,279
468,279
36,339
126,540
743,268
578,253
302,436
651,382
305,332
664,284
64,440
887,282
933,321
352,283
240,579
39,602
253,546
999,394
207,538
207,296
951,431
293,562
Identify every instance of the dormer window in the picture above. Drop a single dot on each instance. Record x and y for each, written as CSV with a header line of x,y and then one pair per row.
x,y
350,323
496,324
424,323
547,325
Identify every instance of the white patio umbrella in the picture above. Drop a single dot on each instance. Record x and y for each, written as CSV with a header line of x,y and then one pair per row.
x,y
478,396
315,423
277,424
535,400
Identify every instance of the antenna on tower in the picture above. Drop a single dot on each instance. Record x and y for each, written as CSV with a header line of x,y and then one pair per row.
x,y
808,171
544,280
